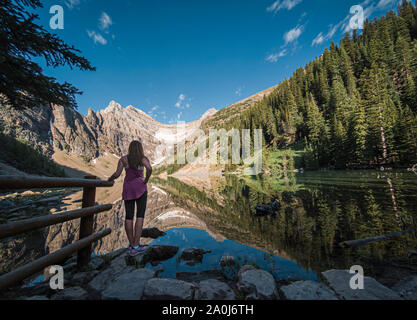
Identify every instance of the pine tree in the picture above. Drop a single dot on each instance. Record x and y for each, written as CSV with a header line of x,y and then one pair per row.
x,y
406,133
375,100
22,83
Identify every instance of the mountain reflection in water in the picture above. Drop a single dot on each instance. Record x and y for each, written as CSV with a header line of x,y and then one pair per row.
x,y
191,238
319,210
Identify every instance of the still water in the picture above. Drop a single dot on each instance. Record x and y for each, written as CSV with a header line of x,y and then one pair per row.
x,y
318,211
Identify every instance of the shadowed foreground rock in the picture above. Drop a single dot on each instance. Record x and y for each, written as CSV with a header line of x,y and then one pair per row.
x,y
308,290
128,286
75,293
257,285
168,289
154,255
116,276
339,281
407,288
214,290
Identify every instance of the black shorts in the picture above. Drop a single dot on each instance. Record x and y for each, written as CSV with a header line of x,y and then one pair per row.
x,y
140,207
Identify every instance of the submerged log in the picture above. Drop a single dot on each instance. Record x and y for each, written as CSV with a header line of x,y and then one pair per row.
x,y
360,242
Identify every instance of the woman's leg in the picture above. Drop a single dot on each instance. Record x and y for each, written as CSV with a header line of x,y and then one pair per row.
x,y
141,209
130,212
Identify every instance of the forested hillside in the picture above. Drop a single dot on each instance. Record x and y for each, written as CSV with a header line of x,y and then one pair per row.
x,y
353,106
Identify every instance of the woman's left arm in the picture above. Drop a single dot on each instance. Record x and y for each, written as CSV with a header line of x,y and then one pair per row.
x,y
147,165
118,172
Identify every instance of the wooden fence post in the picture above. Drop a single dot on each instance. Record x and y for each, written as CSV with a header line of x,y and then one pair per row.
x,y
87,224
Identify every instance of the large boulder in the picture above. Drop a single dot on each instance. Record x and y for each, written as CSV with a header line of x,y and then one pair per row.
x,y
128,286
75,293
96,263
214,290
114,254
153,254
106,277
407,288
339,281
168,289
307,290
257,285
83,278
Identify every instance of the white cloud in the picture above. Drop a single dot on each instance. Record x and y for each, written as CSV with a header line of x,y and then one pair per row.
x,y
153,112
369,7
71,4
105,21
385,3
293,34
97,37
181,99
274,57
283,4
320,38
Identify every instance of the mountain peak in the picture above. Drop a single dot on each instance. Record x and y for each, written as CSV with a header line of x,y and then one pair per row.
x,y
113,106
209,113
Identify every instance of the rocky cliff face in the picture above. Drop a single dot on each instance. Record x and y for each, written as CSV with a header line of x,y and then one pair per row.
x,y
32,125
108,131
111,130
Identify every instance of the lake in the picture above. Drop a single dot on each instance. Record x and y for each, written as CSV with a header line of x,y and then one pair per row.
x,y
318,211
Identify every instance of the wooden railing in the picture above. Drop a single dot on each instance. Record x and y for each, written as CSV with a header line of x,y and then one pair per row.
x,y
83,246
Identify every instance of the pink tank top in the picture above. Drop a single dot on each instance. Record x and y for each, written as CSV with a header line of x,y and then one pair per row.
x,y
133,186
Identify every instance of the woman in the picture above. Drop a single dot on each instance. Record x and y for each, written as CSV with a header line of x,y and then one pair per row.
x,y
135,191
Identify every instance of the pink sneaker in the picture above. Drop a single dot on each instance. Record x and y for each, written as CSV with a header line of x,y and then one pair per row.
x,y
136,251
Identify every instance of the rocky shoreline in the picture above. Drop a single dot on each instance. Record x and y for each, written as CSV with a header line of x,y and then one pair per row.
x,y
116,276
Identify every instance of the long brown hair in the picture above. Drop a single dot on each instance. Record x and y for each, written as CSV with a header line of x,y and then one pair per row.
x,y
135,155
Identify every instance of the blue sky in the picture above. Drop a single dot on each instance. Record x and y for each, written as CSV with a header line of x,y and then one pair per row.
x,y
175,59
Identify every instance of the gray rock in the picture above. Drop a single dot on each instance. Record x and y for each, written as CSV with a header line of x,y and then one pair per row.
x,y
96,263
257,285
70,267
128,286
75,293
214,290
339,281
116,268
246,268
153,254
308,290
83,278
407,288
115,254
168,289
